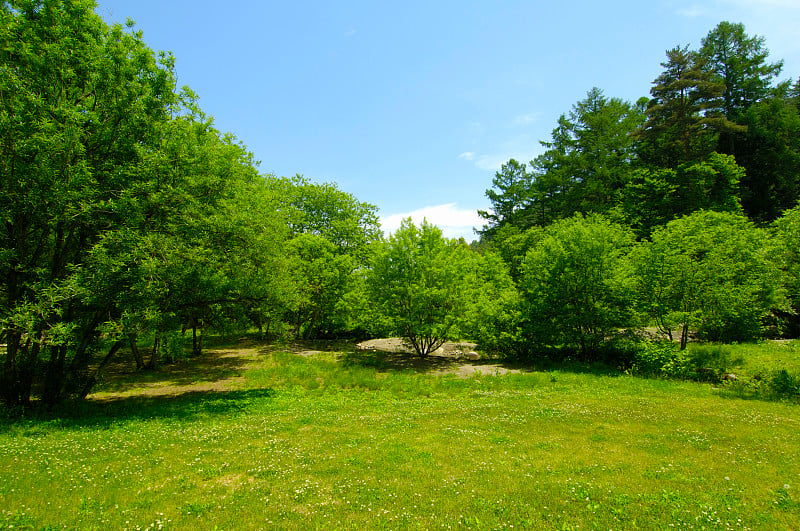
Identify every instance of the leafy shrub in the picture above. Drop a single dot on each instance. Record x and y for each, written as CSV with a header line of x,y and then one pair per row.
x,y
705,363
172,348
577,285
783,384
776,385
710,362
656,358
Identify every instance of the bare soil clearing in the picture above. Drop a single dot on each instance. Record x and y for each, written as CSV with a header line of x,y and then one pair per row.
x,y
457,358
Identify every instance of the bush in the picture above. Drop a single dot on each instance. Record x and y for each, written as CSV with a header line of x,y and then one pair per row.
x,y
704,363
171,348
709,363
656,358
783,384
577,286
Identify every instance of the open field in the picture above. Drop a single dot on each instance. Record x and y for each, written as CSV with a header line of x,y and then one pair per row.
x,y
262,436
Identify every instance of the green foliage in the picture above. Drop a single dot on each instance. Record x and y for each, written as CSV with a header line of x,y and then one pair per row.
x,y
415,278
83,105
654,197
655,359
172,347
708,271
509,196
770,154
492,314
324,210
129,212
665,359
684,116
577,284
433,289
332,235
739,61
322,277
787,232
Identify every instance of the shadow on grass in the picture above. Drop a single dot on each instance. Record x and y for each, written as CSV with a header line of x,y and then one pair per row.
x,y
183,407
211,366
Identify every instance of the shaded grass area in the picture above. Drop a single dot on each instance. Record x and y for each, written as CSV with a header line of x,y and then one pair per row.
x,y
344,440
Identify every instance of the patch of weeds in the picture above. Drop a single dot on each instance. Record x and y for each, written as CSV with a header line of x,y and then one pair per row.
x,y
783,499
196,508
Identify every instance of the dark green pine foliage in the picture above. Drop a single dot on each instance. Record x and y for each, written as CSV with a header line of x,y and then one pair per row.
x,y
509,196
586,165
685,113
764,141
740,61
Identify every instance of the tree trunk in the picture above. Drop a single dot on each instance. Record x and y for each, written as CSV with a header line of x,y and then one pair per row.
x,y
203,328
684,335
92,380
153,363
55,376
136,354
10,376
195,349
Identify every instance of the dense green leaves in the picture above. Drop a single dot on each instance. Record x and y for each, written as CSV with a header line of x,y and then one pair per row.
x,y
577,283
739,61
128,213
710,272
433,289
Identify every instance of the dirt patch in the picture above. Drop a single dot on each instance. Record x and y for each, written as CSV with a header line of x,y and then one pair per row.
x,y
462,349
457,358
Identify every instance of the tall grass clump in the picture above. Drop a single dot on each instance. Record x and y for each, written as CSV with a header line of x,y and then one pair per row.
x,y
664,359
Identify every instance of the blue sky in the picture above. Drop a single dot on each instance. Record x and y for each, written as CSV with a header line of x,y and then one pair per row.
x,y
412,106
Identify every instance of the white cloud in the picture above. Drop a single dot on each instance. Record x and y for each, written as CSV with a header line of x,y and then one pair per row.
x,y
453,221
467,155
526,119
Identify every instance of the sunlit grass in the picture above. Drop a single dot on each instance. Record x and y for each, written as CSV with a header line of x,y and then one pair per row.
x,y
312,442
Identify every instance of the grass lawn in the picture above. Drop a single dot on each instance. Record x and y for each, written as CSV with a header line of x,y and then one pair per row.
x,y
262,437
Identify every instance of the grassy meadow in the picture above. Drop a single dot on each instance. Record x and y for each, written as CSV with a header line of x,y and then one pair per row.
x,y
261,436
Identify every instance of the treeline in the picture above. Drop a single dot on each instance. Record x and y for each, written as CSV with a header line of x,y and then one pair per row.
x,y
127,219
718,133
129,223
677,212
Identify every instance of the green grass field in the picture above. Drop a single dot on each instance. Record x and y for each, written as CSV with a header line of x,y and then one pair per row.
x,y
261,437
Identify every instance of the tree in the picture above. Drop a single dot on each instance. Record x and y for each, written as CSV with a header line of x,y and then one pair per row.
x,y
424,284
509,197
322,277
685,114
654,197
709,272
787,232
770,154
81,104
740,62
588,160
349,224
577,283
128,212
332,234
